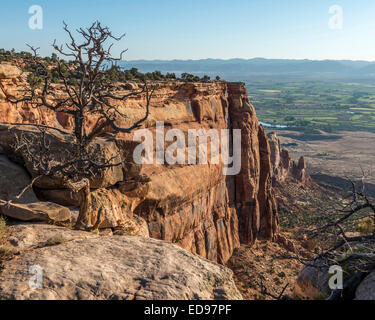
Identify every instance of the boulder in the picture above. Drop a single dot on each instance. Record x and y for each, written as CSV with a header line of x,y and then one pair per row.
x,y
28,207
13,180
8,71
312,282
135,226
26,236
37,211
366,290
284,241
115,268
113,207
63,197
115,210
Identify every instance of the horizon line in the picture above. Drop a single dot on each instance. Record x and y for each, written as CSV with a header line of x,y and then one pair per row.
x,y
248,59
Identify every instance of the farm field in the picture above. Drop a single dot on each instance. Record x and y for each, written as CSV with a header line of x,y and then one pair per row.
x,y
308,105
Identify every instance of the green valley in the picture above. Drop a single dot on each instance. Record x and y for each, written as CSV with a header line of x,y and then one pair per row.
x,y
308,105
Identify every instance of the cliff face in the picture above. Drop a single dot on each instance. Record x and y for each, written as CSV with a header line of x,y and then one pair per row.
x,y
194,206
254,197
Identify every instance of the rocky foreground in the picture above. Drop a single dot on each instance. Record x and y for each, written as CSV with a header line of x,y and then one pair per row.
x,y
80,265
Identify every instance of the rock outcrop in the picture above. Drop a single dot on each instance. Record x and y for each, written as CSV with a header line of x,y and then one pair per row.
x,y
60,146
312,282
283,166
82,266
194,206
253,197
366,289
14,179
115,206
12,82
28,236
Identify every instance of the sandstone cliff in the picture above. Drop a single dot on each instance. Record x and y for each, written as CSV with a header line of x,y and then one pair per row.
x,y
193,206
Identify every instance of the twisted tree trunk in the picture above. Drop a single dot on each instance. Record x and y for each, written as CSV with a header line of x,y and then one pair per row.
x,y
82,187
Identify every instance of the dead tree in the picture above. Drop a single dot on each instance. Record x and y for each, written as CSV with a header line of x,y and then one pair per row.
x,y
355,253
342,244
89,94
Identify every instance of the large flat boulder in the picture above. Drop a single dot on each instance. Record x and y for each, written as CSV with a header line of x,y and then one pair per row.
x,y
26,236
115,268
37,211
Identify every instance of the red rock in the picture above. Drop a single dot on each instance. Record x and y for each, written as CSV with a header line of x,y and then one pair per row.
x,y
254,199
194,206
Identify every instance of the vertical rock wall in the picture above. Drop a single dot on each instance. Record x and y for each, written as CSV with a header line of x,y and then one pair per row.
x,y
255,200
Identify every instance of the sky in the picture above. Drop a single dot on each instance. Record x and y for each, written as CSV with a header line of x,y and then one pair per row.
x,y
199,29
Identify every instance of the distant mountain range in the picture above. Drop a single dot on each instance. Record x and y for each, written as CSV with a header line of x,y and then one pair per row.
x,y
259,68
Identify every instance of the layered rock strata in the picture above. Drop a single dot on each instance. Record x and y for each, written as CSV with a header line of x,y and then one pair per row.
x,y
194,206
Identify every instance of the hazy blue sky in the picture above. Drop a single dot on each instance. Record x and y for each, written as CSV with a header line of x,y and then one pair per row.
x,y
194,29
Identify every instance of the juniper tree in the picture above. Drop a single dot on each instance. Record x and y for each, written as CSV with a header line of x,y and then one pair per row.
x,y
89,94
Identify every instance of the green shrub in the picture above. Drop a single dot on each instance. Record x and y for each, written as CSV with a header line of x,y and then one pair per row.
x,y
366,225
206,78
170,75
289,118
34,80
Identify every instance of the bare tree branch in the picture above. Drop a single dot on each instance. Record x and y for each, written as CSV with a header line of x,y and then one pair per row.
x,y
87,94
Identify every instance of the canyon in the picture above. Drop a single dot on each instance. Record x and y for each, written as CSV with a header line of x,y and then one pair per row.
x,y
195,207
